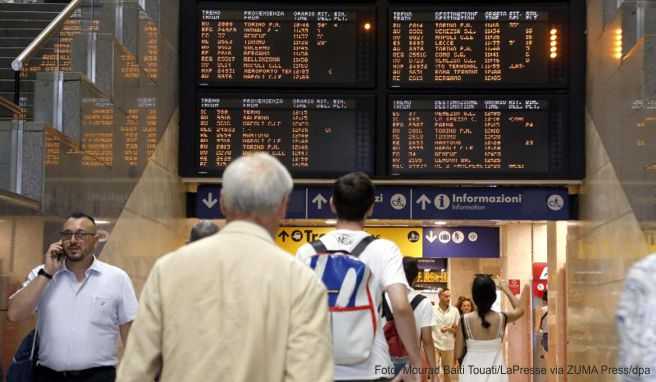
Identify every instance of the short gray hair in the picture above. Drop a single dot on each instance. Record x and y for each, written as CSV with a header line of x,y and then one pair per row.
x,y
255,183
202,229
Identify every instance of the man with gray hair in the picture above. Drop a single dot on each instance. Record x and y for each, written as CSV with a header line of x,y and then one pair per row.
x,y
234,307
202,229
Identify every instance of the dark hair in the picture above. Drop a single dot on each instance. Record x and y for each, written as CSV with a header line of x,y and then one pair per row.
x,y
81,215
353,195
544,296
411,269
484,294
202,229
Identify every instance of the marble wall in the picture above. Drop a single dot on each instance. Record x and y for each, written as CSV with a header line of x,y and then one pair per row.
x,y
616,201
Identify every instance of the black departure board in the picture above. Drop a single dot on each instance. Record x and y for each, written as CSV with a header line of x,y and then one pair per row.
x,y
406,90
285,47
478,47
312,136
477,136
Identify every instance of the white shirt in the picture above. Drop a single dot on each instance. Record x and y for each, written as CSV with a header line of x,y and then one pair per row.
x,y
385,261
423,312
636,322
447,340
78,323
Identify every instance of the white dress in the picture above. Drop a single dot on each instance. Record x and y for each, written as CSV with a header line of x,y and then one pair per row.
x,y
484,359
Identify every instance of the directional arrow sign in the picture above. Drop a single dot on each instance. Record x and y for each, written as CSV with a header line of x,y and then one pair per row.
x,y
319,200
209,201
423,200
431,237
283,235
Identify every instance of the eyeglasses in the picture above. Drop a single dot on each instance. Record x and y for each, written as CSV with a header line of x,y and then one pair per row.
x,y
80,235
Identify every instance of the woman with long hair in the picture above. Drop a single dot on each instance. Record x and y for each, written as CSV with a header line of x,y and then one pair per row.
x,y
479,338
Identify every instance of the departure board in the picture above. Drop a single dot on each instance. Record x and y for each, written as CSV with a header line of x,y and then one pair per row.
x,y
478,47
312,136
489,136
280,46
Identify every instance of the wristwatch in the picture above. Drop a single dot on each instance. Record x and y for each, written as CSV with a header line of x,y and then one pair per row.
x,y
42,272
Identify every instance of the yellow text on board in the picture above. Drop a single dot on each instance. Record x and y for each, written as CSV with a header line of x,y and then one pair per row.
x,y
407,238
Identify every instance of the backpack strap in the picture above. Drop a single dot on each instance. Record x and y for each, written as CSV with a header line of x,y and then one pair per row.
x,y
387,312
319,246
416,301
362,245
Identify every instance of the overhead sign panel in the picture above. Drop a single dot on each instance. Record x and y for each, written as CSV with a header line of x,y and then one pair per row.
x,y
479,46
280,46
478,136
313,136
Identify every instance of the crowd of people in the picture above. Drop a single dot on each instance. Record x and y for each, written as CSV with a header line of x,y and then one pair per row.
x,y
233,306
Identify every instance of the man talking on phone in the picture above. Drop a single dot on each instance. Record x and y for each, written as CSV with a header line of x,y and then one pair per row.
x,y
82,305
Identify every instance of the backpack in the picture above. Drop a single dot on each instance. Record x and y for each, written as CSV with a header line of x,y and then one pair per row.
x,y
353,313
24,361
396,348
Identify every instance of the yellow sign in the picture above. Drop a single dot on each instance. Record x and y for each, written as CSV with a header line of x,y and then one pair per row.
x,y
408,239
292,238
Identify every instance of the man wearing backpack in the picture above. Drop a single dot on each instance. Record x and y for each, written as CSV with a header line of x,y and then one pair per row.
x,y
423,311
362,287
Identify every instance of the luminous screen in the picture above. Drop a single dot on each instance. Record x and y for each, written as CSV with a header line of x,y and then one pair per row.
x,y
312,136
286,47
477,47
472,135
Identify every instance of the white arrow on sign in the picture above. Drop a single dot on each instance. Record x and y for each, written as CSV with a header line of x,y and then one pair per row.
x,y
431,237
319,200
423,200
210,202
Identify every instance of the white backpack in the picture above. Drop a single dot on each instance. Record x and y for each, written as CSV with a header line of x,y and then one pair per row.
x,y
353,314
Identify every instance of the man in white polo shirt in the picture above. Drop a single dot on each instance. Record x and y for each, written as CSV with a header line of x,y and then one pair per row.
x,y
444,331
83,304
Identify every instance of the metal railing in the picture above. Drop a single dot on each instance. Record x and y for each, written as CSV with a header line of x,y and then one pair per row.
x,y
55,25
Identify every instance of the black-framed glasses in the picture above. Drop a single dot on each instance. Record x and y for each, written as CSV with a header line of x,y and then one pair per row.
x,y
80,235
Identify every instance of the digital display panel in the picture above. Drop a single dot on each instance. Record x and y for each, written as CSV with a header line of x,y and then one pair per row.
x,y
312,136
475,136
280,46
482,47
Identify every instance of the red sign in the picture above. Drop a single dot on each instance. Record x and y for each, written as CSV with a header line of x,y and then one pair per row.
x,y
540,278
513,285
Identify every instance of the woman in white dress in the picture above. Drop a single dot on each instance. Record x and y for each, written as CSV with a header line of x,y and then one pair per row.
x,y
479,338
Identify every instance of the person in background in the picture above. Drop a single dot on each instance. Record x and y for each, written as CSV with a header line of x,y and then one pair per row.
x,y
202,229
234,306
464,305
83,305
480,337
444,328
636,322
423,318
541,327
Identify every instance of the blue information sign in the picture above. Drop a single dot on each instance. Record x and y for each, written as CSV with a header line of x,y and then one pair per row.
x,y
421,203
207,202
469,242
490,203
